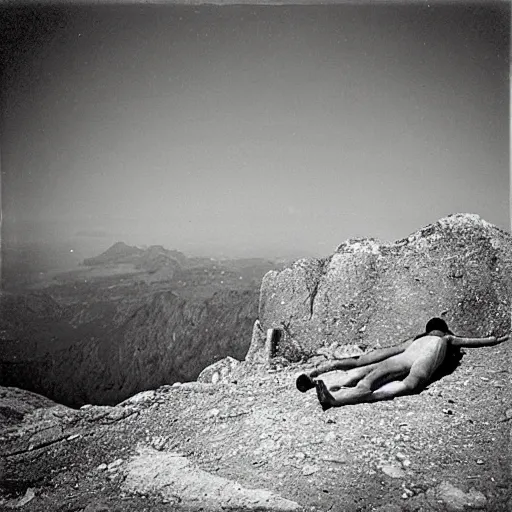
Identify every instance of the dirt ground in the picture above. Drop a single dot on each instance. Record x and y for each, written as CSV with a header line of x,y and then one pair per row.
x,y
444,449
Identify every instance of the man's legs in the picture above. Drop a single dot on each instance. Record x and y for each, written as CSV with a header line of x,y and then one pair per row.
x,y
333,395
421,371
391,389
417,378
336,379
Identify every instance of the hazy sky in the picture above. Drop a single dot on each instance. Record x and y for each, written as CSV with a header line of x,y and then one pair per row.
x,y
252,130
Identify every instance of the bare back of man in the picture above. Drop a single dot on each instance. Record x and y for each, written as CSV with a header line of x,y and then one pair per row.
x,y
386,373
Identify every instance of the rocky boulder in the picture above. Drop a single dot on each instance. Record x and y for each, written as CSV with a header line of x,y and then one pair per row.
x,y
374,294
219,372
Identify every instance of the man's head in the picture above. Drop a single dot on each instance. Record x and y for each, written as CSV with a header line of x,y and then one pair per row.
x,y
437,324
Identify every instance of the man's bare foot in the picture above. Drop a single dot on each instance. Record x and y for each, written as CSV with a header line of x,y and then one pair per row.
x,y
324,397
304,383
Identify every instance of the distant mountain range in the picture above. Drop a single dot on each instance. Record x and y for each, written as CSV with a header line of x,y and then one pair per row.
x,y
126,320
25,265
151,258
118,253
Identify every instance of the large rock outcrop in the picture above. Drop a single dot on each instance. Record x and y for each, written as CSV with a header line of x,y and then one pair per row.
x,y
373,294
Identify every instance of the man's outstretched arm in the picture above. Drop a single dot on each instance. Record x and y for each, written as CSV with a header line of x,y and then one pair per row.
x,y
459,341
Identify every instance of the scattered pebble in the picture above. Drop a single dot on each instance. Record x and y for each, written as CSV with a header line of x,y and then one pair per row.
x,y
309,470
102,467
113,465
331,436
158,442
393,471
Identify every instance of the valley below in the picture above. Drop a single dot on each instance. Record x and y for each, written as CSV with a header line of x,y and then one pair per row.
x,y
128,320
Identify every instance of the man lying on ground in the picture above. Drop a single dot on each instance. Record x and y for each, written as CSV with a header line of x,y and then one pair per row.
x,y
383,374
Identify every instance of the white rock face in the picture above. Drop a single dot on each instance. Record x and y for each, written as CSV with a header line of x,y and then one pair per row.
x,y
177,479
393,471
